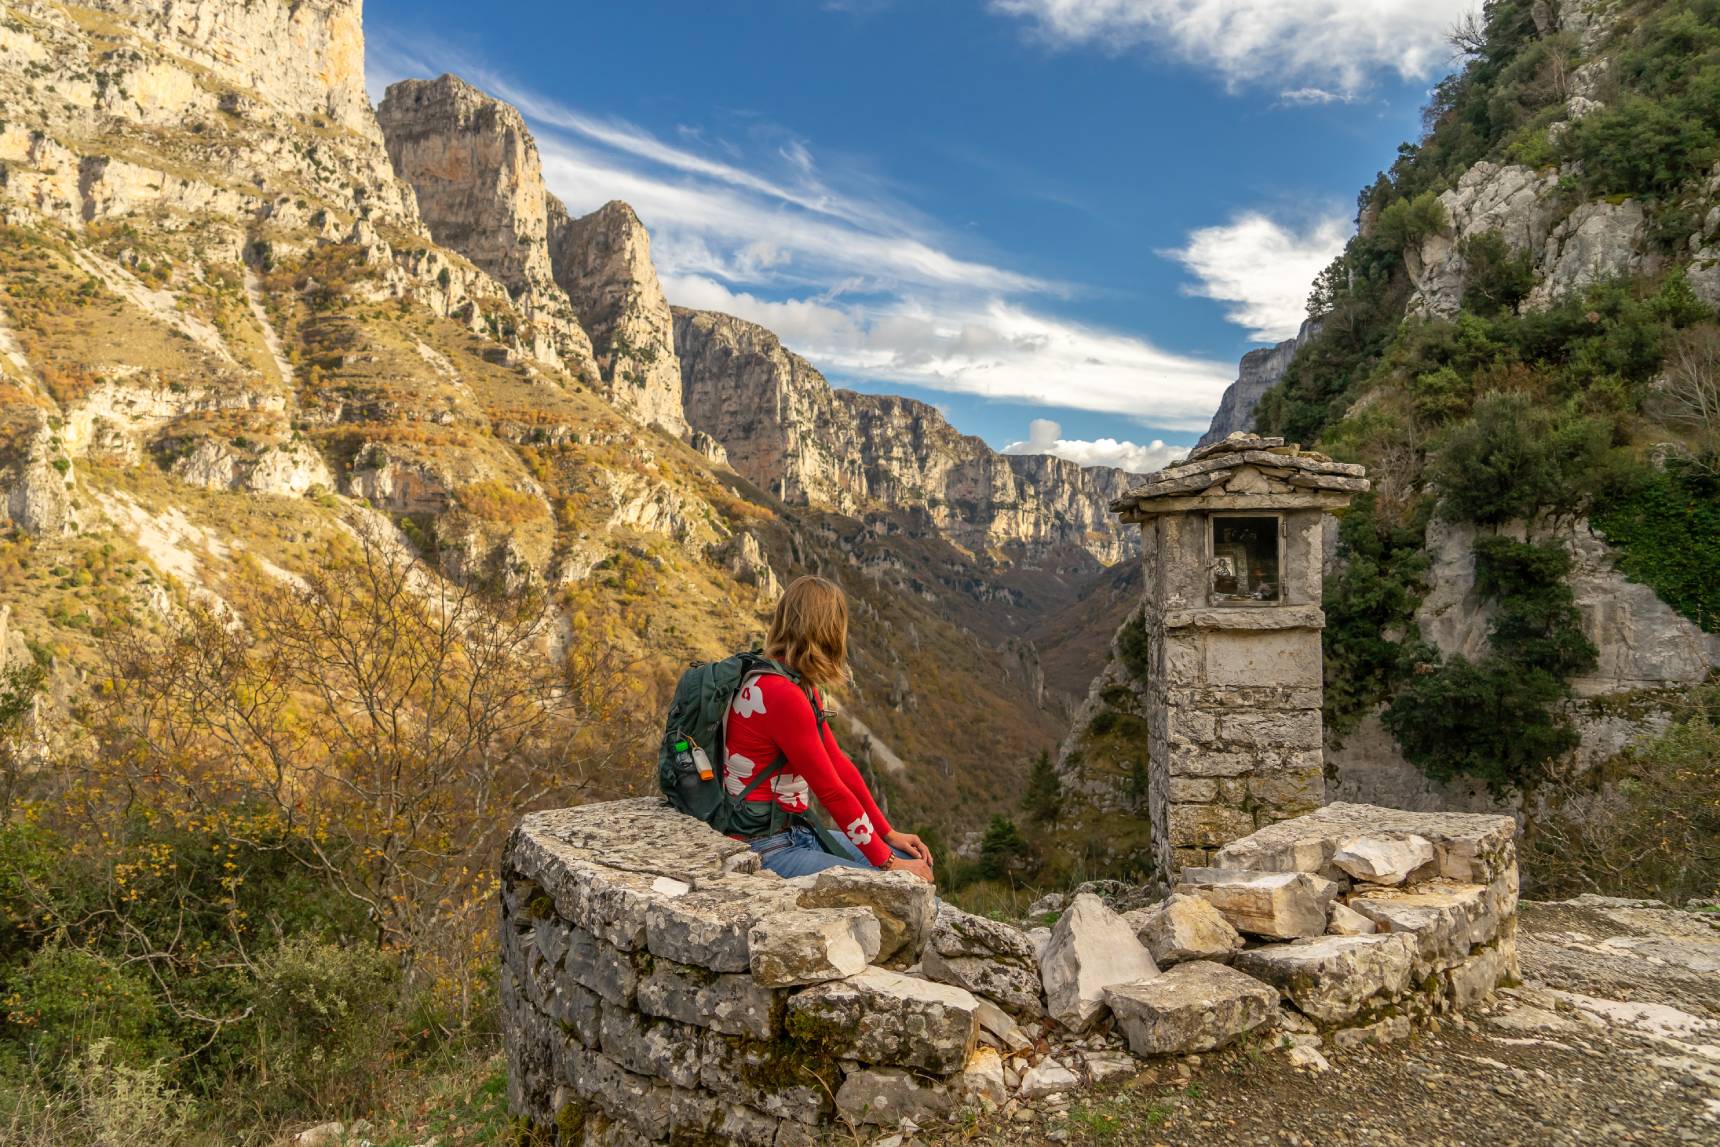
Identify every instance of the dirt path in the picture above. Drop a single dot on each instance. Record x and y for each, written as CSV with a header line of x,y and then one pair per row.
x,y
1613,1038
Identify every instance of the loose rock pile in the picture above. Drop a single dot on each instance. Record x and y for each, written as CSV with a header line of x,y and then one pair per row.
x,y
656,984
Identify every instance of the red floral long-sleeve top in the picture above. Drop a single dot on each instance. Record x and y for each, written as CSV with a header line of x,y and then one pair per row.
x,y
772,717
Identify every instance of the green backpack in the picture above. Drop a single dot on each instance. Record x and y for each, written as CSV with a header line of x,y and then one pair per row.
x,y
690,759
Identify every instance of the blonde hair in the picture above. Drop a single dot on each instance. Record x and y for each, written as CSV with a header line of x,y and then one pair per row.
x,y
809,633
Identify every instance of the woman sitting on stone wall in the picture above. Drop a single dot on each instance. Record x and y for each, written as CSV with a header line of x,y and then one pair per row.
x,y
772,718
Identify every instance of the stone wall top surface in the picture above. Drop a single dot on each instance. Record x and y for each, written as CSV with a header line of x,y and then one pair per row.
x,y
1284,470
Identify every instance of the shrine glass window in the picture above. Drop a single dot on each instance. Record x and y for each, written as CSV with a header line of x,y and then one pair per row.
x,y
1247,560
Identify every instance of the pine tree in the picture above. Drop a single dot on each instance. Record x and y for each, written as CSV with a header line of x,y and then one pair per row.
x,y
1043,801
1004,851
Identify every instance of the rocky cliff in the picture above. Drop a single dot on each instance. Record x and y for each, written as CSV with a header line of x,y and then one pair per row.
x,y
603,262
479,184
1260,371
786,429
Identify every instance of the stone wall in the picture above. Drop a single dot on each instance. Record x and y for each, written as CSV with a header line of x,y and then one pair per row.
x,y
657,986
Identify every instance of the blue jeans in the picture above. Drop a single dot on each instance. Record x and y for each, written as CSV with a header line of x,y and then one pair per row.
x,y
798,853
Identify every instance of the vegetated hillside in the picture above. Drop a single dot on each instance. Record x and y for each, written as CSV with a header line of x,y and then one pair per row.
x,y
1521,345
347,514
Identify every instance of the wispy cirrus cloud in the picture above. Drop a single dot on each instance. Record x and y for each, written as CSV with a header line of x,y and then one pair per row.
x,y
844,271
1337,46
1262,268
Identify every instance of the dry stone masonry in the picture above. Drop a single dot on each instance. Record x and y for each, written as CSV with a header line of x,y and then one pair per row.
x,y
1233,545
657,986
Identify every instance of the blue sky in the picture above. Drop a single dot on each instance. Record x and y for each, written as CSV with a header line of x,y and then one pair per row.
x,y
1076,211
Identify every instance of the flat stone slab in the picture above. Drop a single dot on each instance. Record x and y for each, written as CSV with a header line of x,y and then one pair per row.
x,y
1470,847
1278,905
884,1017
1445,919
1193,1007
1334,977
986,957
905,906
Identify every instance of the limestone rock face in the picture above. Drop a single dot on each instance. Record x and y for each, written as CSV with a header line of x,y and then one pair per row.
x,y
1091,949
306,57
603,262
785,429
1510,199
1184,928
1259,372
1597,241
1193,1007
479,183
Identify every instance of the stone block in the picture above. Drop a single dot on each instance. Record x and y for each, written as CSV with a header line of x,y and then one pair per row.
x,y
883,1017
1193,790
639,1101
1392,1029
578,1010
1184,928
1284,657
1000,1027
1333,977
905,905
1280,905
670,1051
1346,921
1192,1007
599,966
986,957
1091,949
981,1083
707,928
727,1003
1288,791
1383,859
1474,978
812,945
777,1078
696,1117
1271,730
1207,825
1212,763
1445,920
885,1096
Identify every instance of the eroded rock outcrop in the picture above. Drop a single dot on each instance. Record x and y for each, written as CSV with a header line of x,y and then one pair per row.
x,y
786,429
475,170
603,262
1259,372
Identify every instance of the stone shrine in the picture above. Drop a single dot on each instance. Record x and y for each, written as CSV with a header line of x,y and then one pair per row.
x,y
1232,539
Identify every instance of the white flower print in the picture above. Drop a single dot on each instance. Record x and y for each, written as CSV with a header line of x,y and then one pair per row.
x,y
860,831
749,699
737,772
792,792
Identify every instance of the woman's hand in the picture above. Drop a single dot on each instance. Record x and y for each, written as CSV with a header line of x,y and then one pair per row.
x,y
918,867
908,842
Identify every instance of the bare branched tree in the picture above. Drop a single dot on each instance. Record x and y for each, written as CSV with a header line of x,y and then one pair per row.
x,y
1689,397
382,725
1468,37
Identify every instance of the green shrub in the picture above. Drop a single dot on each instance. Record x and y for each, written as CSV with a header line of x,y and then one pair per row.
x,y
1370,636
1514,460
324,1013
1496,278
63,999
1004,853
1408,221
1535,623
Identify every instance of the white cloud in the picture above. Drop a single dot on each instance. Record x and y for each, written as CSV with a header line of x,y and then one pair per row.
x,y
1336,44
855,280
988,347
1046,437
1263,268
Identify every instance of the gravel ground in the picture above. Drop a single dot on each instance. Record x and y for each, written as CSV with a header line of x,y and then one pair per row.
x,y
1614,1037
